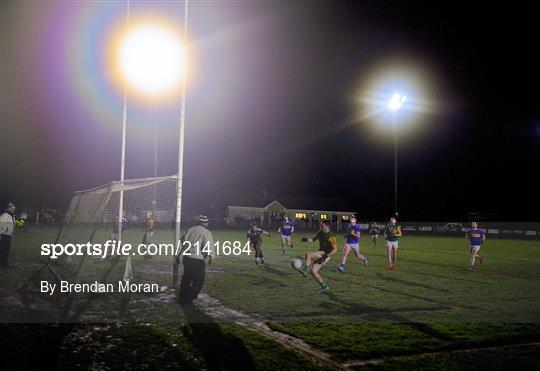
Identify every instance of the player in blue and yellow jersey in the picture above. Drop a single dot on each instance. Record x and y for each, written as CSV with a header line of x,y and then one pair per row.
x,y
315,260
352,242
286,230
476,237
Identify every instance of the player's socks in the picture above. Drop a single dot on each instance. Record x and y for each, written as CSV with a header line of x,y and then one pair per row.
x,y
481,259
324,288
365,261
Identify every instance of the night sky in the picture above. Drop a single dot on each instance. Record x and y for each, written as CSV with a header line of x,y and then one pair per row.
x,y
275,103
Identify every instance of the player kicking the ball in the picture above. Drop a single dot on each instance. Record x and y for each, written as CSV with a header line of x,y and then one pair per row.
x,y
316,259
352,242
255,241
392,232
476,238
286,230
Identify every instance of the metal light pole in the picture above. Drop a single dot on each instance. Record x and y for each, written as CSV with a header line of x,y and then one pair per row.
x,y
394,105
180,156
395,162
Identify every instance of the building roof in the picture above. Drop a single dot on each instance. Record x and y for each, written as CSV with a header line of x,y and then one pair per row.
x,y
291,202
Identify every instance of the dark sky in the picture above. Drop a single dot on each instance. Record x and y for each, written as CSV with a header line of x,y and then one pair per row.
x,y
272,106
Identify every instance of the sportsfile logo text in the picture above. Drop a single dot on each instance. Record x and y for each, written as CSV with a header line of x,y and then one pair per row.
x,y
114,248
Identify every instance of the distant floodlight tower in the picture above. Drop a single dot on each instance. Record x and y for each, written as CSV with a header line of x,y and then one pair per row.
x,y
396,101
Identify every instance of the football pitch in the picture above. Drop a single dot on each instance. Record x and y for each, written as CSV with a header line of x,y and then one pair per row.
x,y
431,313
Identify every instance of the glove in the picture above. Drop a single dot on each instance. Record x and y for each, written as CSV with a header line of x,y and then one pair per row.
x,y
304,240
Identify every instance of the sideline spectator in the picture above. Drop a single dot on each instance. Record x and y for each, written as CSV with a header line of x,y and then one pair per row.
x,y
7,225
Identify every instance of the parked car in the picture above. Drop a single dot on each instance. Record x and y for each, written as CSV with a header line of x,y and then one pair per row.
x,y
452,227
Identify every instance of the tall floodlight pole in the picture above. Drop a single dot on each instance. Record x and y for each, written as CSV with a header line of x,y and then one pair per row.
x,y
394,105
123,155
180,155
395,162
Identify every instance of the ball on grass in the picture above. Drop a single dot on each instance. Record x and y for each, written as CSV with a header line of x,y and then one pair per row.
x,y
296,264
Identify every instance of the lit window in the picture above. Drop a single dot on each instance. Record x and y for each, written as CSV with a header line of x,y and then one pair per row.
x,y
324,216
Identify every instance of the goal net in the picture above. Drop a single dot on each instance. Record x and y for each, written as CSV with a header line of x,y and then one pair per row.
x,y
96,216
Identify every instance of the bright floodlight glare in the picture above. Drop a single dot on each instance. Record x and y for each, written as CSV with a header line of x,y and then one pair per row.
x,y
152,59
396,102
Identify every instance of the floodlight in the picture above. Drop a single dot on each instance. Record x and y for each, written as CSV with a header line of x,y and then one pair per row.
x,y
396,102
152,59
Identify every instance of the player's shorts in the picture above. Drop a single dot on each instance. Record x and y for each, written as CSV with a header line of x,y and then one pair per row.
x,y
374,236
256,245
475,248
286,239
355,247
392,244
322,261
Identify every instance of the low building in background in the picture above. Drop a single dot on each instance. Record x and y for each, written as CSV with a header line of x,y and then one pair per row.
x,y
272,214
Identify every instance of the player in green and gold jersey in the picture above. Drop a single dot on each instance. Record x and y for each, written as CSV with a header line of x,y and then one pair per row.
x,y
392,232
315,260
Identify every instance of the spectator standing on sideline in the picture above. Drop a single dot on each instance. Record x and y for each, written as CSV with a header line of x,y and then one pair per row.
x,y
7,225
